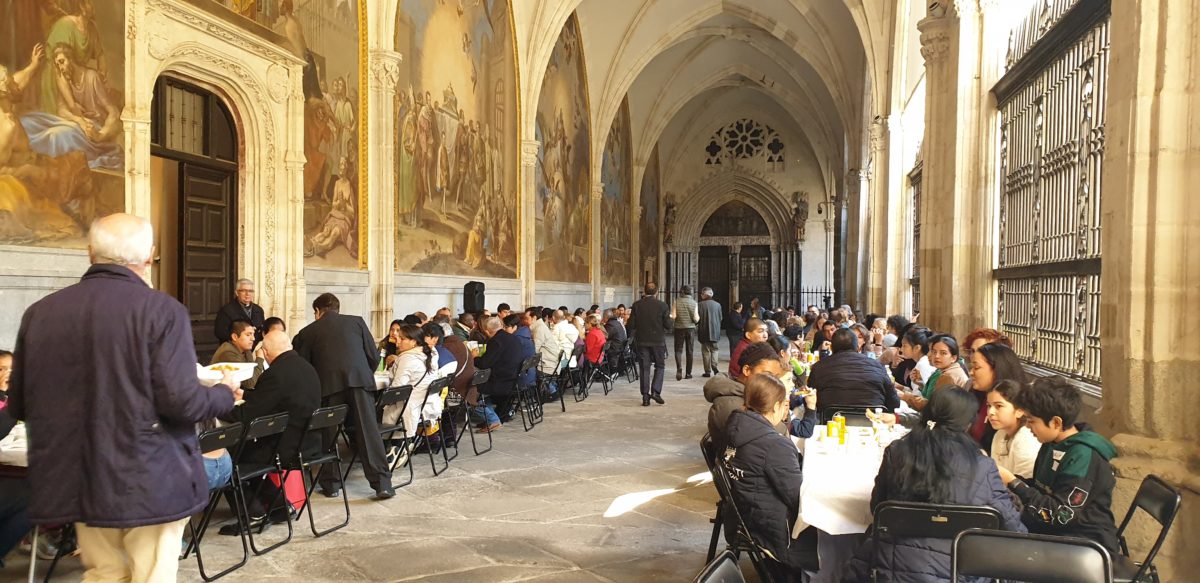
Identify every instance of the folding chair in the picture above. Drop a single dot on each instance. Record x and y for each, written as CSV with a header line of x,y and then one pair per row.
x,y
724,569
545,378
742,540
481,376
227,438
898,520
267,429
710,459
629,362
322,419
427,428
572,377
528,402
1032,558
66,545
383,399
1162,503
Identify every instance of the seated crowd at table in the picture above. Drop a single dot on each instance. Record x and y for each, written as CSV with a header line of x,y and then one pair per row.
x,y
977,430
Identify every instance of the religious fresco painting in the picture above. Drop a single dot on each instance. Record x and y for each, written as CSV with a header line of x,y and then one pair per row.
x,y
649,224
563,174
456,115
62,68
615,170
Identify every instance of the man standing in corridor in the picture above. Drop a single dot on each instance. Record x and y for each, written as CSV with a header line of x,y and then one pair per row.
x,y
649,323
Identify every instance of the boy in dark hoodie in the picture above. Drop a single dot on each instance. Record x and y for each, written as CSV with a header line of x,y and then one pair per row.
x,y
1070,493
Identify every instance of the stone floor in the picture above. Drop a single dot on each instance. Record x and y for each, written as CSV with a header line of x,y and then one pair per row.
x,y
533,509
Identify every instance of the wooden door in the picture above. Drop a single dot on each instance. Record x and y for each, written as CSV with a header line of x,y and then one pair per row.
x,y
206,249
714,273
754,277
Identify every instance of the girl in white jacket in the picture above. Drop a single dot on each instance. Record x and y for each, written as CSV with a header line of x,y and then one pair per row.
x,y
416,365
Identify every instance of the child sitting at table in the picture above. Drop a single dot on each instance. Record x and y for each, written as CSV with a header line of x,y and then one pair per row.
x,y
937,463
764,471
1070,493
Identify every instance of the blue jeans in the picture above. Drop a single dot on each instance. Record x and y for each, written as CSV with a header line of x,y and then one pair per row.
x,y
14,521
218,470
486,411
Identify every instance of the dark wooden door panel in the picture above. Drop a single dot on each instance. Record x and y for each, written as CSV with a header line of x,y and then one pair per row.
x,y
754,279
714,272
207,250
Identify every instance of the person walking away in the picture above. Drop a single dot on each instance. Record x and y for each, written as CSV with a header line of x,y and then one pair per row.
x,y
111,428
686,317
708,330
735,325
649,322
345,355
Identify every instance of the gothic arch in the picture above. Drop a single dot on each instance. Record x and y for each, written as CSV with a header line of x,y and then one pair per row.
x,y
713,191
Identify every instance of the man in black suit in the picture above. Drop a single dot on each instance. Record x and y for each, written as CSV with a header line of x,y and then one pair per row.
x,y
344,355
649,322
291,386
241,308
503,356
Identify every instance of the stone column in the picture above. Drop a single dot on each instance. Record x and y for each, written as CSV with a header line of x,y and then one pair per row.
x,y
597,244
527,257
953,279
1151,233
881,218
384,67
735,269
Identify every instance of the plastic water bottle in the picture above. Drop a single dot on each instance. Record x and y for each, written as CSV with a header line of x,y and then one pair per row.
x,y
382,361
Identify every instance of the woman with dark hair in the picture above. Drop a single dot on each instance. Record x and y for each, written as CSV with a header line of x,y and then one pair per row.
x,y
936,463
390,345
990,365
727,394
415,365
767,489
914,346
1014,446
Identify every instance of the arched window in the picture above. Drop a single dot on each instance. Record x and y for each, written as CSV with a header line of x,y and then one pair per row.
x,y
746,139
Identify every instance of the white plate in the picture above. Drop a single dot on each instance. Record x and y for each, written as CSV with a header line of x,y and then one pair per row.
x,y
209,377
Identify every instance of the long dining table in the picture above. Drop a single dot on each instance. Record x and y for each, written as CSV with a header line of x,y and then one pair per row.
x,y
835,496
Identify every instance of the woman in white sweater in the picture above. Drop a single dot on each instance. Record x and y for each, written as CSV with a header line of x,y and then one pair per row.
x,y
416,364
1014,447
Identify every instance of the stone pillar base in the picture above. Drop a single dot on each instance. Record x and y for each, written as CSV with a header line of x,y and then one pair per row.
x,y
1176,463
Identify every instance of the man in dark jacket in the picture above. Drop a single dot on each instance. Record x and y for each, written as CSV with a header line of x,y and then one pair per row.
x,y
650,322
850,378
613,327
342,351
241,308
289,386
112,423
709,332
503,357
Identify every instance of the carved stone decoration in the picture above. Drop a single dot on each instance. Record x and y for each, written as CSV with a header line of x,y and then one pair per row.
x,y
935,42
878,132
669,219
278,82
800,214
529,153
159,46
385,68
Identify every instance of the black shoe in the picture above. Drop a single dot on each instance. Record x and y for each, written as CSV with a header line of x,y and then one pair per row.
x,y
706,375
658,399
385,491
645,401
258,525
687,376
331,492
679,376
281,515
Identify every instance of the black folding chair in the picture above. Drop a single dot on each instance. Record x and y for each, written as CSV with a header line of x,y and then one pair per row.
x,y
268,430
629,361
227,438
383,399
899,520
481,376
605,371
572,377
855,416
1156,498
710,459
1032,558
424,430
545,378
723,569
67,543
743,541
529,403
321,420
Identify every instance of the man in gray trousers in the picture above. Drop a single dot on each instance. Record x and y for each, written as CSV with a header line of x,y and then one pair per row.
x,y
686,317
709,331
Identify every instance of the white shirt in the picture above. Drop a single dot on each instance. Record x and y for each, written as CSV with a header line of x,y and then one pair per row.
x,y
566,334
409,369
924,369
1018,454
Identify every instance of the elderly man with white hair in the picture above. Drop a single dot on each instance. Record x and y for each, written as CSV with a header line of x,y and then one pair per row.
x,y
241,308
105,377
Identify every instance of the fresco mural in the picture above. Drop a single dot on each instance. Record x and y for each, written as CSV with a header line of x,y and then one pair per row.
x,y
614,204
563,176
62,164
325,35
456,134
649,225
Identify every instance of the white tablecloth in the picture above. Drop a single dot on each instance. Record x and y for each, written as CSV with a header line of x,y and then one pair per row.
x,y
382,380
835,495
14,449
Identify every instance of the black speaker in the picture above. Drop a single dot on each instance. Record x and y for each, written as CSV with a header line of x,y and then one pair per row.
x,y
473,301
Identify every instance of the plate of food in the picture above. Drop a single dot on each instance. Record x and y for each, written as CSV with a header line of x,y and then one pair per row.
x,y
211,374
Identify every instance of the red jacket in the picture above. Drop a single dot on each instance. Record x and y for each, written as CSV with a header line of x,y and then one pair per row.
x,y
594,343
